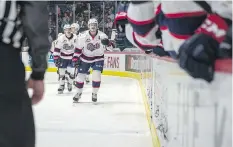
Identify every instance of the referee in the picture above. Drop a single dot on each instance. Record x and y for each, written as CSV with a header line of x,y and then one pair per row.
x,y
18,20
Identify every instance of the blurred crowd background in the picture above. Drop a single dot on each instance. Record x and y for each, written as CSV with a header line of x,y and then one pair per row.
x,y
62,12
68,12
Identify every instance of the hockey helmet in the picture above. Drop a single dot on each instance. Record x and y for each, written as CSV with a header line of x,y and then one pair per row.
x,y
93,24
66,26
75,28
67,30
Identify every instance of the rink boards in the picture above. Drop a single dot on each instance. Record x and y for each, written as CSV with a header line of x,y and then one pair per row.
x,y
115,64
176,104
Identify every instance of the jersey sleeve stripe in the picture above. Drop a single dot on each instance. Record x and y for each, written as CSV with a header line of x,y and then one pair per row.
x,y
141,45
185,14
143,30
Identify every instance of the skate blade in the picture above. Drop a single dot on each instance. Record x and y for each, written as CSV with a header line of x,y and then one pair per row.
x,y
75,101
60,92
75,104
94,100
95,103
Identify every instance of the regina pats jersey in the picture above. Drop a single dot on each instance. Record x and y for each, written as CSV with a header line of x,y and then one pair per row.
x,y
89,48
64,46
53,46
177,21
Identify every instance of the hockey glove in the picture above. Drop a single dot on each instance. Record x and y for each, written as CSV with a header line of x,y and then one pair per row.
x,y
120,22
198,54
121,15
57,61
225,48
105,41
76,61
159,51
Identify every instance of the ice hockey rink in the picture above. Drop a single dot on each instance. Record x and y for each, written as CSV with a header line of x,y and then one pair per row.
x,y
118,119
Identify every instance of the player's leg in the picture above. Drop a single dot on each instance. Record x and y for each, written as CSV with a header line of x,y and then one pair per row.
x,y
67,74
71,77
75,75
62,70
87,79
82,71
96,78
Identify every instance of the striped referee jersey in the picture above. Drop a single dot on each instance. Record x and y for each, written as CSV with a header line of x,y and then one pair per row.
x,y
20,19
11,31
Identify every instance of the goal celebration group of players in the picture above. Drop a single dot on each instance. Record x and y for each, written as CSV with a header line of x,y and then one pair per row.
x,y
75,53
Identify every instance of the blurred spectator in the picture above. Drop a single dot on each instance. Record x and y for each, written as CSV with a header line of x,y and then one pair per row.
x,y
62,12
108,27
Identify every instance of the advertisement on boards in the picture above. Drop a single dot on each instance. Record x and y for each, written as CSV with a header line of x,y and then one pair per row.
x,y
114,62
137,63
27,59
50,60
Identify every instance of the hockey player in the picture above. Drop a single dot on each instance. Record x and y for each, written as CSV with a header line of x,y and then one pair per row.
x,y
90,51
75,30
121,21
52,50
200,23
54,43
63,53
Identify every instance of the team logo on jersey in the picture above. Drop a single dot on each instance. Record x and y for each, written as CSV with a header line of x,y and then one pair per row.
x,y
88,40
68,47
92,47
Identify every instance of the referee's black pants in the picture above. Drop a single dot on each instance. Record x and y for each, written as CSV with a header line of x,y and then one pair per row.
x,y
16,118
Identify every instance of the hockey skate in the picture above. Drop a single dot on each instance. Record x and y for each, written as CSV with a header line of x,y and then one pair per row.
x,y
61,89
69,87
94,97
77,97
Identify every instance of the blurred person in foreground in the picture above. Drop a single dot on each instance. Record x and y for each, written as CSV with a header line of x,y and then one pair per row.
x,y
18,20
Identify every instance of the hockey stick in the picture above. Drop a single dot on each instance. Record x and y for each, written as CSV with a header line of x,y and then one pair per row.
x,y
76,71
204,5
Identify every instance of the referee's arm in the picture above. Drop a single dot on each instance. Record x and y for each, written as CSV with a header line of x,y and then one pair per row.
x,y
35,25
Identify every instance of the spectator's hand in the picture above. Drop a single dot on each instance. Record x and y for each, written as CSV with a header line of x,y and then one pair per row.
x,y
38,90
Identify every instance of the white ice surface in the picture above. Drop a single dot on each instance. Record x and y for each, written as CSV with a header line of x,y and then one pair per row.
x,y
118,119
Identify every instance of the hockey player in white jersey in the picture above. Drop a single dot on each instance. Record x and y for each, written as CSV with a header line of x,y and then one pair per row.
x,y
75,30
192,31
90,51
53,47
63,53
54,43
